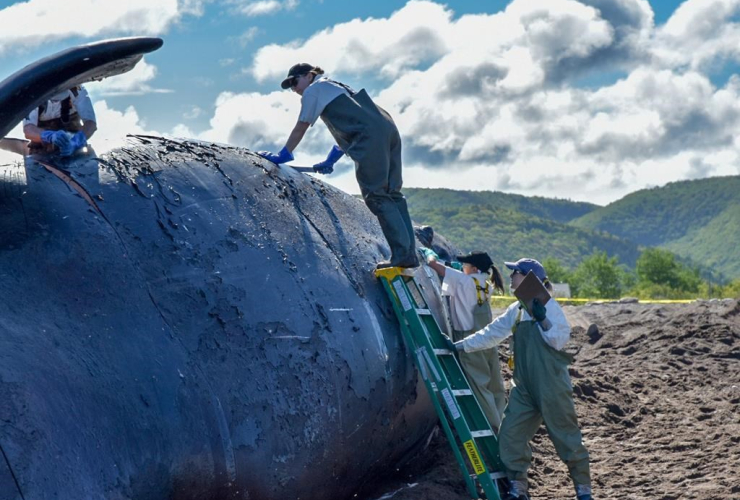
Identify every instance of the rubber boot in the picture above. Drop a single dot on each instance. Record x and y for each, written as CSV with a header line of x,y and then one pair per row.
x,y
395,232
583,492
403,209
517,491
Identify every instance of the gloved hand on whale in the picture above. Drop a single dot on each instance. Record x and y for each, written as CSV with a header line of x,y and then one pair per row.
x,y
327,166
323,167
64,141
284,156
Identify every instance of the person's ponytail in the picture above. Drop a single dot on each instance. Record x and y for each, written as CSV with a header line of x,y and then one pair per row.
x,y
496,279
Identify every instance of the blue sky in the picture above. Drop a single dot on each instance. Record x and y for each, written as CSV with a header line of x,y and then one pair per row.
x,y
572,92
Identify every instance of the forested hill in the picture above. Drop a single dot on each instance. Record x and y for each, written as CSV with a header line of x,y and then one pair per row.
x,y
510,234
698,220
547,208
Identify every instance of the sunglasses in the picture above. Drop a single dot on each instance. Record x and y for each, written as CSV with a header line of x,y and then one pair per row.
x,y
294,82
515,271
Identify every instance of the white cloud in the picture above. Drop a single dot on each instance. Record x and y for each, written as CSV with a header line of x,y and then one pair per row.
x,y
491,101
193,113
415,34
246,38
496,101
135,82
252,8
35,22
700,34
114,125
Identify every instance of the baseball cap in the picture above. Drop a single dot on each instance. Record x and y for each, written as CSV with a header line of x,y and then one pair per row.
x,y
481,260
294,71
526,265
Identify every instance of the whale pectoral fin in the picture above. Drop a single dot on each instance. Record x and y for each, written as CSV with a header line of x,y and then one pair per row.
x,y
32,85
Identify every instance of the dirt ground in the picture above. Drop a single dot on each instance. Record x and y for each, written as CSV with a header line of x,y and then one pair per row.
x,y
657,391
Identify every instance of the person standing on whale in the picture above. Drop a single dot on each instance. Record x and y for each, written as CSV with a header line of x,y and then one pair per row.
x,y
367,134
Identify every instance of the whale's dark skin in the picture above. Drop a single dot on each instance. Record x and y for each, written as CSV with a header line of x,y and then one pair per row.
x,y
182,320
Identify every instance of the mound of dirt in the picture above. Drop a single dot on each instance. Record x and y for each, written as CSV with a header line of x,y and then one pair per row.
x,y
657,391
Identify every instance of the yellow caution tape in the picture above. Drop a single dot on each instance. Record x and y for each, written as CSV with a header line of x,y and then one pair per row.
x,y
498,300
640,301
475,460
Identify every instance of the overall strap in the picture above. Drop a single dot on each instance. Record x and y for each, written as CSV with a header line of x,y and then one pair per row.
x,y
344,86
518,320
478,289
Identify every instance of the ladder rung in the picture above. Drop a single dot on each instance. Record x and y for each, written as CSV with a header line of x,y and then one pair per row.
x,y
442,352
498,475
462,392
423,312
481,434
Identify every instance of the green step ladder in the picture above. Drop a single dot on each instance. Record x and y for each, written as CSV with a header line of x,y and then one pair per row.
x,y
448,388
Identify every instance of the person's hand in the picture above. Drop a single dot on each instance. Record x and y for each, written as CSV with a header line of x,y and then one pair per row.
x,y
284,156
539,313
79,140
59,138
47,136
327,166
428,253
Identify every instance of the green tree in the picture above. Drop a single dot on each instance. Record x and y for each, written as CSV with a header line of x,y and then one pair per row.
x,y
556,272
597,276
656,266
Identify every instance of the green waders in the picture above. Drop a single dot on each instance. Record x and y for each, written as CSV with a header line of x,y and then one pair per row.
x,y
367,134
483,370
543,393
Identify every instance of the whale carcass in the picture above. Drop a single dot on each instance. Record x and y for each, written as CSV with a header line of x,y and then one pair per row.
x,y
183,320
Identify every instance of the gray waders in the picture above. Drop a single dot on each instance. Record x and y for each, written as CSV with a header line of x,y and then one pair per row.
x,y
367,134
483,370
543,393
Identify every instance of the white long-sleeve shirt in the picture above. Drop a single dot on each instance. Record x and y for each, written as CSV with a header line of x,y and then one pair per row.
x,y
461,289
500,328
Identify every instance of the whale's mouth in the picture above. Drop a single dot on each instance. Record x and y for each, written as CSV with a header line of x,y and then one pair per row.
x,y
9,487
34,84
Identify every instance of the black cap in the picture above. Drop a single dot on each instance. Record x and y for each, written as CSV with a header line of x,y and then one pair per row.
x,y
296,70
481,260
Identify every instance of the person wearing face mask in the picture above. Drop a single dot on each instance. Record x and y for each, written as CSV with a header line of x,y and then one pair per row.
x,y
469,291
367,134
63,124
542,391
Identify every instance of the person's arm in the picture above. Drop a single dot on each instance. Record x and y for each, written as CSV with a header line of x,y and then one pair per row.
x,y
559,334
296,136
438,268
32,132
89,127
494,333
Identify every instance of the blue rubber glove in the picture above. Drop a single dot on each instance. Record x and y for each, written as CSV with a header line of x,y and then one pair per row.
x,y
327,166
79,140
47,136
59,138
284,156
